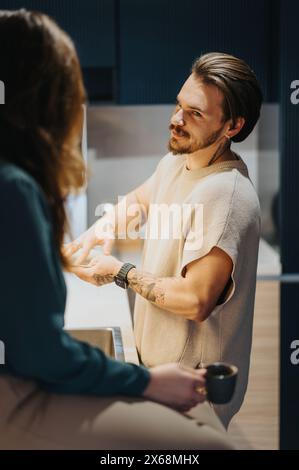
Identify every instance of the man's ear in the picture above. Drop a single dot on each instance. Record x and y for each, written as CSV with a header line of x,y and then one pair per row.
x,y
235,129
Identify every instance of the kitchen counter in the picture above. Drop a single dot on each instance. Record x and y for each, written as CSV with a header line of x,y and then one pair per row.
x,y
89,306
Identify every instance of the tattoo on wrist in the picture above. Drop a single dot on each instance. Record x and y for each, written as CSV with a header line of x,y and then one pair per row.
x,y
101,280
147,286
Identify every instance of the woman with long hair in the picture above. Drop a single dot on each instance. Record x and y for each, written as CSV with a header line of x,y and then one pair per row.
x,y
57,392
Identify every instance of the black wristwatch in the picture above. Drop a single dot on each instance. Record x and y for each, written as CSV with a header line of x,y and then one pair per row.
x,y
121,278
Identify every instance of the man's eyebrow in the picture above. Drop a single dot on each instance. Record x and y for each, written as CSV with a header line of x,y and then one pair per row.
x,y
191,107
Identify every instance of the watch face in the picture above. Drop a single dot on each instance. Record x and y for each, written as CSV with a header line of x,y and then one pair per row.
x,y
120,282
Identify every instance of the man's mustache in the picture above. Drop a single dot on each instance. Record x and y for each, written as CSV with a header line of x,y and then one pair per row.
x,y
178,130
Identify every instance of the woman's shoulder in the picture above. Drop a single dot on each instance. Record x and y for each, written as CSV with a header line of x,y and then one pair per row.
x,y
14,176
20,192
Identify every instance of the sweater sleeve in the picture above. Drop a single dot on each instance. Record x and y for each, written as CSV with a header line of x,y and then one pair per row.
x,y
32,308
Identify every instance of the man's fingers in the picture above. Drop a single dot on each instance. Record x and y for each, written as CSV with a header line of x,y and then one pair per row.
x,y
83,272
83,255
71,248
93,261
107,247
78,270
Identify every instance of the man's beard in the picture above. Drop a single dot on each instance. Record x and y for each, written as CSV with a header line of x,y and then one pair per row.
x,y
179,148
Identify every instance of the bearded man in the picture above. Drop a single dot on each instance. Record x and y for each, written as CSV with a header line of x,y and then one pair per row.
x,y
196,289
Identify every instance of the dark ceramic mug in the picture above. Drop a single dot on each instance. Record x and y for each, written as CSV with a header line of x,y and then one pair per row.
x,y
221,381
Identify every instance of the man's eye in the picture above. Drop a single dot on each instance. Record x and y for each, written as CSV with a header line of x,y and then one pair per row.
x,y
196,113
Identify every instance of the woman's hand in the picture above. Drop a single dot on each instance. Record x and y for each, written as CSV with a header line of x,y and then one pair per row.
x,y
101,270
178,387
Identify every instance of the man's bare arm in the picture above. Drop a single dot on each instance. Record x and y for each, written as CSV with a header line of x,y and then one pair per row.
x,y
129,213
122,221
193,296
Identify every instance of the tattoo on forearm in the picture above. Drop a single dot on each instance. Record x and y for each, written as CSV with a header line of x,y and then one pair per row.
x,y
147,286
101,280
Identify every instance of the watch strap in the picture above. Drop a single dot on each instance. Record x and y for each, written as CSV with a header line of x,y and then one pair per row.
x,y
121,277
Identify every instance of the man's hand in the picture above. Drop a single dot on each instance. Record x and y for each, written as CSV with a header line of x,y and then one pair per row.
x,y
101,233
101,270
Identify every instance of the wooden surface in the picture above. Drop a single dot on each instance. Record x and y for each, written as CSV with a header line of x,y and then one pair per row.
x,y
256,425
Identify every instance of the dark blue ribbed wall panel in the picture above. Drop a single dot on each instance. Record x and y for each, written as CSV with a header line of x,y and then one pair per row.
x,y
159,39
289,172
289,373
289,137
89,22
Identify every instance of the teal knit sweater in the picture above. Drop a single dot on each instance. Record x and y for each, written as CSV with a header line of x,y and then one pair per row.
x,y
32,303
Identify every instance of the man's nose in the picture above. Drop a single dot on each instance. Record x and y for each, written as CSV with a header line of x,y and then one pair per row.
x,y
178,118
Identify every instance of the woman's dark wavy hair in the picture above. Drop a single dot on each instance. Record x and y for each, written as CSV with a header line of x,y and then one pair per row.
x,y
40,122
